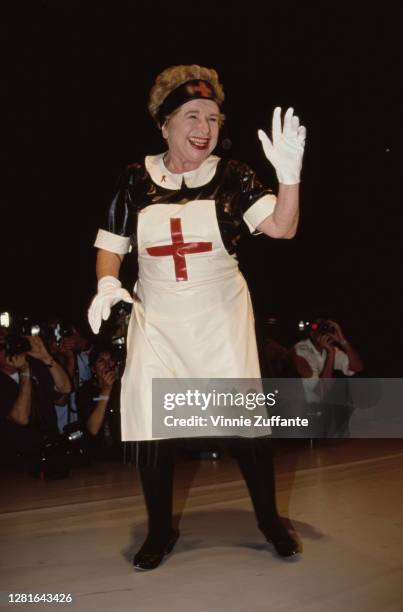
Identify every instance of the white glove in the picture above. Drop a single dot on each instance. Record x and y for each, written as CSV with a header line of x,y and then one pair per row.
x,y
110,292
286,148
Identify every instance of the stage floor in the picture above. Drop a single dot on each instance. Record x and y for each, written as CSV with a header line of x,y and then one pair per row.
x,y
343,499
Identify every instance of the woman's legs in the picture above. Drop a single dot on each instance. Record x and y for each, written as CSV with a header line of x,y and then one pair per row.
x,y
157,482
156,466
255,460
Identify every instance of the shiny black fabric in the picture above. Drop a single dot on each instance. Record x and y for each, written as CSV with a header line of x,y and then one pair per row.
x,y
151,453
234,188
157,453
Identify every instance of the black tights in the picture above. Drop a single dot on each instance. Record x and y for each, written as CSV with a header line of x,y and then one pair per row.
x,y
255,460
158,490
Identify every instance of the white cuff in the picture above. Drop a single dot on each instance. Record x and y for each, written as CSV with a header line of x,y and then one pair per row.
x,y
112,242
259,211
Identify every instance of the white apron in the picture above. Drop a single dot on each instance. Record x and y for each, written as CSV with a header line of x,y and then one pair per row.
x,y
194,318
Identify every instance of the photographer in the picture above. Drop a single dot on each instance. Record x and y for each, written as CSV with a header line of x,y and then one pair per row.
x,y
30,383
319,359
71,348
76,347
98,402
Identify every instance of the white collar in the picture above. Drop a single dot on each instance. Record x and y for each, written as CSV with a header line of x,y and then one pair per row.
x,y
195,178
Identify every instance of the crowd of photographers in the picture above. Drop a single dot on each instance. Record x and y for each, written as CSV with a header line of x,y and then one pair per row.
x,y
60,386
59,394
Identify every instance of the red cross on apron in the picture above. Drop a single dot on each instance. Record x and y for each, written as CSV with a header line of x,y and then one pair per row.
x,y
178,249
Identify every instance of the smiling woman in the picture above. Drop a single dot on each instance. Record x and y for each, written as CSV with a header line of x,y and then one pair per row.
x,y
182,211
185,102
191,134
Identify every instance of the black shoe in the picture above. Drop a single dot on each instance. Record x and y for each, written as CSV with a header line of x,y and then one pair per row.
x,y
154,549
283,542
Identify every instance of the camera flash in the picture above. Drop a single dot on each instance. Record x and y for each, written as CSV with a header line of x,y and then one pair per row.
x,y
5,319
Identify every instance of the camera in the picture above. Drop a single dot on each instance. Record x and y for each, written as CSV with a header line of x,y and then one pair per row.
x,y
15,342
16,345
119,354
62,330
320,326
28,327
324,327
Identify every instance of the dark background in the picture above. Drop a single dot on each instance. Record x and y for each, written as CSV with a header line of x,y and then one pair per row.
x,y
75,88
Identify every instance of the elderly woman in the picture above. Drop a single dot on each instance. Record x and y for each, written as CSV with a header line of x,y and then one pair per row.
x,y
192,317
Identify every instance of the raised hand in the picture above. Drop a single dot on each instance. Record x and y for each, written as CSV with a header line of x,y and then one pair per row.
x,y
38,349
337,334
326,341
19,362
106,380
286,147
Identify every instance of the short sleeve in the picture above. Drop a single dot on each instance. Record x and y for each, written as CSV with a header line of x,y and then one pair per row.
x,y
257,202
341,362
115,234
303,350
111,242
309,384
